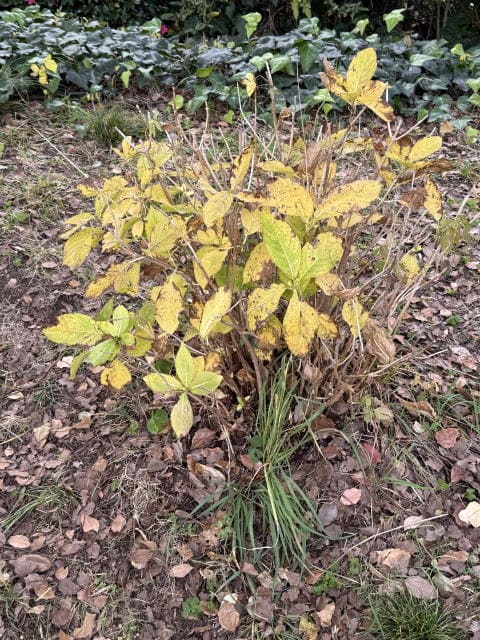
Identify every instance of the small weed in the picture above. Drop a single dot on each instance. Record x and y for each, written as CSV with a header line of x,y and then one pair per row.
x,y
50,498
454,320
47,394
106,125
191,608
9,601
403,617
329,581
43,199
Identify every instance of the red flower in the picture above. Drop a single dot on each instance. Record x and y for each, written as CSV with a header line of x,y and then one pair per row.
x,y
30,2
163,28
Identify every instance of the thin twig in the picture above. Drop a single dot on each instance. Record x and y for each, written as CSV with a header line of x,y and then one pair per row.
x,y
82,173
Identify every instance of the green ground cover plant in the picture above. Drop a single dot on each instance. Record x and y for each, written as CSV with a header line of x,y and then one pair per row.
x,y
426,78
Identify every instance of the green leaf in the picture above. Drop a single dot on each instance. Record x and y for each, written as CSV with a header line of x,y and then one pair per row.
x,y
182,416
76,363
307,55
157,421
121,320
162,383
282,245
204,383
252,20
78,246
102,352
74,328
320,258
184,366
393,18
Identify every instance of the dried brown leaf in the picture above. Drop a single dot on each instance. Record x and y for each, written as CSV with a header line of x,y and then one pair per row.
x,y
180,570
19,542
420,588
228,616
351,496
447,438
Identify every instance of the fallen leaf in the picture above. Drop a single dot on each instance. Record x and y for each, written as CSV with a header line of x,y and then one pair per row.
x,y
142,553
396,559
43,591
19,542
249,569
448,437
180,570
422,408
202,438
61,573
40,434
373,453
453,556
228,616
420,588
31,563
89,523
325,615
351,496
118,523
471,514
87,628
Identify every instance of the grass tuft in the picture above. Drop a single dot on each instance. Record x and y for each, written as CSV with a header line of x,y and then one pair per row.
x,y
106,125
402,617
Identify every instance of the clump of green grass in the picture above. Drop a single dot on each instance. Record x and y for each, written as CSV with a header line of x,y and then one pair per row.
x,y
402,617
272,512
107,124
47,498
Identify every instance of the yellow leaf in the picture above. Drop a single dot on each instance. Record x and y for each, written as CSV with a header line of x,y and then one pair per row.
x,y
258,264
355,195
74,328
213,311
168,306
249,83
433,199
127,278
424,148
241,165
327,328
211,260
300,325
217,207
268,337
329,283
274,166
50,64
361,70
181,417
78,246
410,267
262,303
116,375
291,198
251,221
321,257
354,316
163,233
371,98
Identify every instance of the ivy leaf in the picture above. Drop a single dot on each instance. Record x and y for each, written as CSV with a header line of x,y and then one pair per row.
x,y
181,417
282,245
213,311
115,376
74,328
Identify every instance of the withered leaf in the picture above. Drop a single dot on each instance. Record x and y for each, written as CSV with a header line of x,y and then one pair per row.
x,y
228,616
180,570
